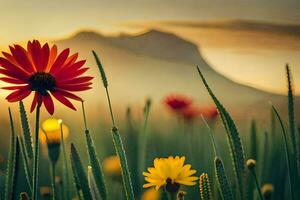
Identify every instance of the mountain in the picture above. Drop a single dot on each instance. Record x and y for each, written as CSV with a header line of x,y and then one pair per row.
x,y
155,64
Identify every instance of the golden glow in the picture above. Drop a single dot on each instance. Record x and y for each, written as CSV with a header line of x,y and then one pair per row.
x,y
112,166
150,194
52,128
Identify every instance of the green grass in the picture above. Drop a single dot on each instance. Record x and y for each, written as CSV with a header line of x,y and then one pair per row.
x,y
216,150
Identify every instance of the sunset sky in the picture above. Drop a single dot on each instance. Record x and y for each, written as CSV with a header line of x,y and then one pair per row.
x,y
22,20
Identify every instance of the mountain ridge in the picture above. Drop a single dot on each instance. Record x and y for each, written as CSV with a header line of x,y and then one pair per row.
x,y
123,39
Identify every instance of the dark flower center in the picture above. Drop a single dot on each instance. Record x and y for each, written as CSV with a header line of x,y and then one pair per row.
x,y
42,82
172,187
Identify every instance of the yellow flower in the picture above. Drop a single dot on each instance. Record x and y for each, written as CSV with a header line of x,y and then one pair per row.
x,y
51,127
112,166
150,194
171,173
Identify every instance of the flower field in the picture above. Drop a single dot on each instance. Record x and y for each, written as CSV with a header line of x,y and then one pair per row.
x,y
199,154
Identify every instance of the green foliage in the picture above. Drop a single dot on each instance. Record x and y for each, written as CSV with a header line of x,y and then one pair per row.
x,y
95,166
11,162
292,124
235,144
93,185
25,162
222,180
287,153
26,132
253,138
79,174
101,69
124,166
143,137
205,190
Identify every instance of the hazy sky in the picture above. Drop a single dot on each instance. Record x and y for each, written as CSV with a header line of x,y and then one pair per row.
x,y
52,19
39,18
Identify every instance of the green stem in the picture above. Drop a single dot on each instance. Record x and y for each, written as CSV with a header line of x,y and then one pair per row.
x,y
36,156
53,180
172,196
65,165
25,162
257,184
110,107
143,142
286,152
84,116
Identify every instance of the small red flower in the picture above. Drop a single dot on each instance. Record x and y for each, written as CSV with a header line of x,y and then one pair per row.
x,y
190,113
177,102
210,113
43,71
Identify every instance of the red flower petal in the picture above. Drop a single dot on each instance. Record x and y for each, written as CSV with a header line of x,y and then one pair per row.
x,y
48,102
69,95
60,97
6,64
79,80
37,100
52,56
12,80
71,59
70,75
45,51
18,95
34,49
14,87
71,68
59,61
14,74
21,57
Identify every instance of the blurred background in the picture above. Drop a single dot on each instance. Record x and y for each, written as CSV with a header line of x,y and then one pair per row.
x,y
151,48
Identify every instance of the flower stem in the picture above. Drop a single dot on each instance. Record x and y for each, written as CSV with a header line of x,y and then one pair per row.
x,y
65,165
257,184
110,107
36,156
287,152
53,180
172,196
84,116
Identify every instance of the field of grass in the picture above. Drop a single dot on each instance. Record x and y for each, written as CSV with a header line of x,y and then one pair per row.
x,y
260,163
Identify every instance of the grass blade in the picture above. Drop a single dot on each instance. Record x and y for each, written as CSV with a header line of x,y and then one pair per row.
x,y
287,153
95,166
222,180
11,162
79,174
292,125
101,69
235,144
124,166
205,190
25,162
253,140
26,131
93,185
142,140
118,144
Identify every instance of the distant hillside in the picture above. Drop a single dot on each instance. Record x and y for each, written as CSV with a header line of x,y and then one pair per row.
x,y
155,64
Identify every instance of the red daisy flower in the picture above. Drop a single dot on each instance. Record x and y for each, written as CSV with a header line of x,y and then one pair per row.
x,y
45,72
190,113
177,102
210,113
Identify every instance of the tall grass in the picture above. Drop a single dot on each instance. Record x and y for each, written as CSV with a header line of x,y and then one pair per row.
x,y
234,141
